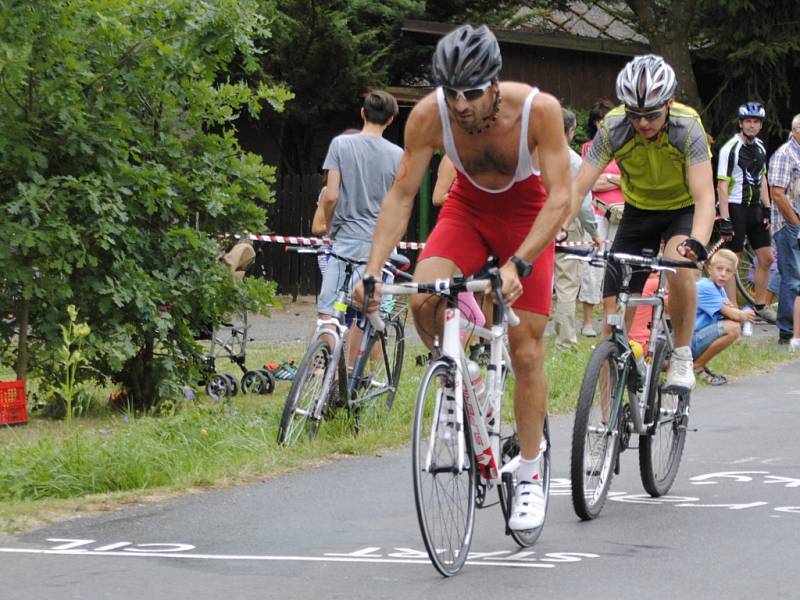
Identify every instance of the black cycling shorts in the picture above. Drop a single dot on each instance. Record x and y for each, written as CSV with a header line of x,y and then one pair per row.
x,y
748,222
640,230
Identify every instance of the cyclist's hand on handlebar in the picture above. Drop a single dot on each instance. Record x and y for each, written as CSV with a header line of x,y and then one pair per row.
x,y
374,299
512,286
693,250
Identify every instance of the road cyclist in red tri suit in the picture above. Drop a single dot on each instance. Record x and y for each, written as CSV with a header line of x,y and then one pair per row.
x,y
510,196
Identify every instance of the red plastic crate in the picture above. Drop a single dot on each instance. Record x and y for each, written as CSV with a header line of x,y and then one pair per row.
x,y
12,403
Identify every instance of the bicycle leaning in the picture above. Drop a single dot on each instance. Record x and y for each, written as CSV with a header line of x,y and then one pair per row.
x,y
460,450
323,383
604,421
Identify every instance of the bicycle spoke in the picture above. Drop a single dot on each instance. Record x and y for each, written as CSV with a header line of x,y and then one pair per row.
x,y
444,493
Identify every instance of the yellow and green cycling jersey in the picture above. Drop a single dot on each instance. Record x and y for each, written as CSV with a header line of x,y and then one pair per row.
x,y
653,172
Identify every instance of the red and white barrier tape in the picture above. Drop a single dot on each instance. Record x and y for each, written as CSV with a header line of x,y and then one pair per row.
x,y
297,240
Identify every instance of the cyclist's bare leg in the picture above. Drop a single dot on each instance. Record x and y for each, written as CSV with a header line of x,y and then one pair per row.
x,y
682,295
526,345
423,306
764,258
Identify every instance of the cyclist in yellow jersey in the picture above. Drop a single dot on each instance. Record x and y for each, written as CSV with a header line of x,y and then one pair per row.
x,y
667,181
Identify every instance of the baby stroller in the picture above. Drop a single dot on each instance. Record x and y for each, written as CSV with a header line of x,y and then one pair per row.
x,y
229,341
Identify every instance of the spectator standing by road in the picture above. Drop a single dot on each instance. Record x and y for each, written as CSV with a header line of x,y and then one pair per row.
x,y
608,204
784,175
744,203
361,168
567,274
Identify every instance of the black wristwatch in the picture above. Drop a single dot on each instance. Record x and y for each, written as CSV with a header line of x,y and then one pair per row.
x,y
523,266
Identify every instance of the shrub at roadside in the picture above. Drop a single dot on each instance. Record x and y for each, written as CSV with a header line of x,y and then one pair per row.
x,y
118,165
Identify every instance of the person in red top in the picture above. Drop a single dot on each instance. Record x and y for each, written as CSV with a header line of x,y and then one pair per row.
x,y
509,199
608,202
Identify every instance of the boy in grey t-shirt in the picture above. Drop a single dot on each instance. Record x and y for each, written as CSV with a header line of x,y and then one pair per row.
x,y
361,169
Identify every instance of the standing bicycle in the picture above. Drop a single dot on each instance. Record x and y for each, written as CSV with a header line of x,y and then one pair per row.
x,y
324,382
460,449
624,394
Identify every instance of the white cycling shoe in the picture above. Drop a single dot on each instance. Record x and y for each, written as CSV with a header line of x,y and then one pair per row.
x,y
680,376
528,509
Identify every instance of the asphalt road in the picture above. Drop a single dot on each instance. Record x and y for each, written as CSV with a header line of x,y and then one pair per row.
x,y
347,529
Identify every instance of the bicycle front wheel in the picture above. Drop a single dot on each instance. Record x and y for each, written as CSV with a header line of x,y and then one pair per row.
x,y
595,433
661,450
376,375
298,419
444,478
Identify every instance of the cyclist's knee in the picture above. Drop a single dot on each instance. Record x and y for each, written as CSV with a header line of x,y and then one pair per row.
x,y
527,360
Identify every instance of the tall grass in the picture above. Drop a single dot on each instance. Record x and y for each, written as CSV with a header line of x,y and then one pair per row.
x,y
208,444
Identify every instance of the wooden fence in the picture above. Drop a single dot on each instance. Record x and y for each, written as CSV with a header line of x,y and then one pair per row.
x,y
291,214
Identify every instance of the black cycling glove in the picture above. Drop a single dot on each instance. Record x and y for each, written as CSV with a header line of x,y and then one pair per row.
x,y
726,228
766,216
696,247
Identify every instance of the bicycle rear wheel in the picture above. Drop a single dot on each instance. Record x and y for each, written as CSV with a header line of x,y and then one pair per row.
x,y
377,374
595,433
298,418
660,452
443,493
510,449
745,278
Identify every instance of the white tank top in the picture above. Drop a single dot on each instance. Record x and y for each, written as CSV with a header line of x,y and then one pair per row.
x,y
524,165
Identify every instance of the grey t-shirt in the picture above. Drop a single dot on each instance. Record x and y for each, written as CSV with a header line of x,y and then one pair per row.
x,y
367,165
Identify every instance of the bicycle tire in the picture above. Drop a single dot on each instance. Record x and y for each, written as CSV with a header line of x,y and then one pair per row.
x,y
510,449
596,422
743,273
660,452
444,497
306,390
376,375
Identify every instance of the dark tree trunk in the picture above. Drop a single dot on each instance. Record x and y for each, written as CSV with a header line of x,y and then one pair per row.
x,y
667,27
139,380
23,319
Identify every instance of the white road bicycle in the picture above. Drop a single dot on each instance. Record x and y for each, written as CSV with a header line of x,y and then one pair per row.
x,y
460,448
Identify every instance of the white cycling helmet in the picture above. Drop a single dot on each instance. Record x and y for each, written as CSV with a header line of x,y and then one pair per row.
x,y
646,82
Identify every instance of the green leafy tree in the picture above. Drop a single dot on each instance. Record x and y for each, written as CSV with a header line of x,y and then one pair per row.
x,y
753,49
327,52
119,165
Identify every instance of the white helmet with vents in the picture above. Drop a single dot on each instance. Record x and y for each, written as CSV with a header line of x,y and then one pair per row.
x,y
646,82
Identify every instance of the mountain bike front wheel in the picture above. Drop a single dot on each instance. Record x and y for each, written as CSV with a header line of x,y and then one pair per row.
x,y
595,434
660,452
445,477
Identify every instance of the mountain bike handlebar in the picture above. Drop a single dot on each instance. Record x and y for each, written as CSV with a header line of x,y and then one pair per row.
x,y
654,263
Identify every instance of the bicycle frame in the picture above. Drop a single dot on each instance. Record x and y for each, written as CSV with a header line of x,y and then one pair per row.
x,y
485,438
619,335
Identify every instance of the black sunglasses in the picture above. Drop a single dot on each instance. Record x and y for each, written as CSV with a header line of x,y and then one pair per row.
x,y
652,115
469,94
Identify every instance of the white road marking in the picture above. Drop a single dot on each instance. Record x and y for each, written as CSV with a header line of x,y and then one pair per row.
x,y
552,557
